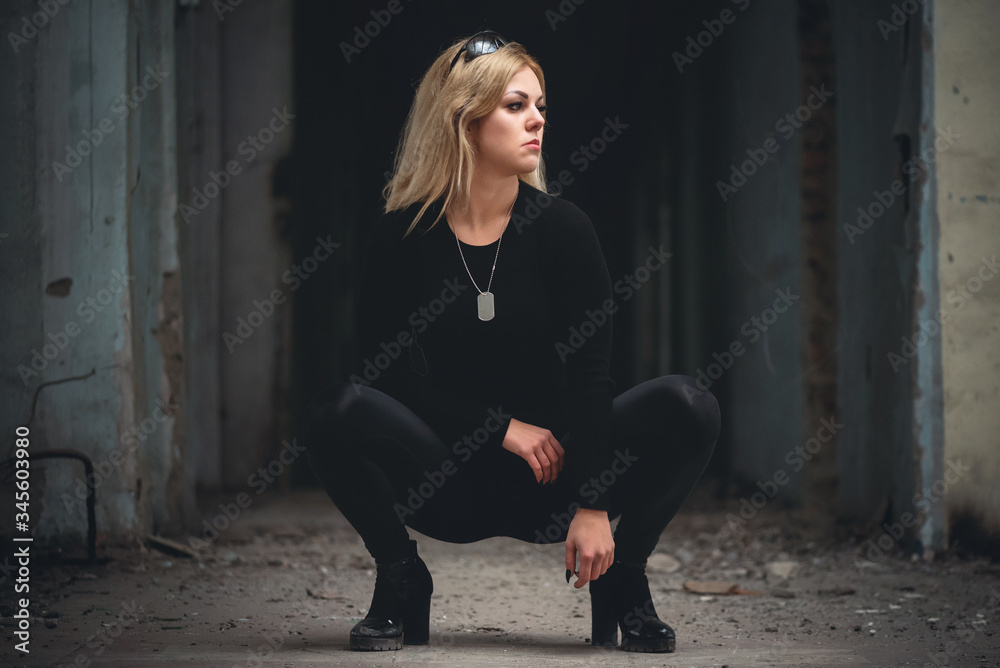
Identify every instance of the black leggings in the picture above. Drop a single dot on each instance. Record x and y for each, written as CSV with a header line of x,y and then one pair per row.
x,y
385,469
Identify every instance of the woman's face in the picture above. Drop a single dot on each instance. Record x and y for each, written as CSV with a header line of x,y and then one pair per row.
x,y
502,137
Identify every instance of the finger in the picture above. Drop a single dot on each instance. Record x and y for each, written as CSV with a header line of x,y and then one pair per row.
x,y
536,467
557,446
560,453
571,555
586,570
555,465
546,465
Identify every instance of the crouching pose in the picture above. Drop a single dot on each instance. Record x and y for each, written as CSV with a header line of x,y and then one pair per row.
x,y
481,404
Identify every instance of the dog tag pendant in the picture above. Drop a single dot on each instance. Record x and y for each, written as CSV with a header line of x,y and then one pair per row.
x,y
485,304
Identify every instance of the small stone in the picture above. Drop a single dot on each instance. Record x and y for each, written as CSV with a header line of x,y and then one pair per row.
x,y
684,555
662,563
783,569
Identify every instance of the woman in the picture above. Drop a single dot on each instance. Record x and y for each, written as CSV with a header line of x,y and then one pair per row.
x,y
449,424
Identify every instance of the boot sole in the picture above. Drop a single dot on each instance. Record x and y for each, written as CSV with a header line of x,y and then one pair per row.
x,y
376,644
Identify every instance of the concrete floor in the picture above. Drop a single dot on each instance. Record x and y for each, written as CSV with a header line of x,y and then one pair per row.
x,y
284,583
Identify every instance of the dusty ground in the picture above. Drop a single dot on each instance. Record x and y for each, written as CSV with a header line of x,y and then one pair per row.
x,y
285,582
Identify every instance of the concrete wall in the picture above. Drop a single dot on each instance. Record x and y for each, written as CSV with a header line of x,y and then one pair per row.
x,y
255,92
92,254
199,147
764,239
98,236
967,98
888,446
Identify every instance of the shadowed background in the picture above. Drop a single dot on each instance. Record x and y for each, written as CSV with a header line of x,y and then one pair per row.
x,y
228,159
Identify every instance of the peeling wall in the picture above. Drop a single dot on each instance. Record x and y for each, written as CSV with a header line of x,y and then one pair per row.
x,y
967,98
96,129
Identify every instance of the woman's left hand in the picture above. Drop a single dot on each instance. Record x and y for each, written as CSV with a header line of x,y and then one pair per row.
x,y
590,535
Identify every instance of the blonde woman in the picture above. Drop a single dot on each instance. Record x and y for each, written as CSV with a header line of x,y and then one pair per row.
x,y
481,403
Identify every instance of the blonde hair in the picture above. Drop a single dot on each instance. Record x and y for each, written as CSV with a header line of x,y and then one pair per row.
x,y
435,157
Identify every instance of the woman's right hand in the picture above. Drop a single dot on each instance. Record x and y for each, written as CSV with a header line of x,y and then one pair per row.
x,y
538,447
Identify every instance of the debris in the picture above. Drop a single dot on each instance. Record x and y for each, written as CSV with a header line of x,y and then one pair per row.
x,y
783,569
662,563
684,555
836,591
171,547
710,587
326,594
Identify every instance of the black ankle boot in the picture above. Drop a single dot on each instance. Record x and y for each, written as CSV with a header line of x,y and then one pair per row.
x,y
621,598
401,606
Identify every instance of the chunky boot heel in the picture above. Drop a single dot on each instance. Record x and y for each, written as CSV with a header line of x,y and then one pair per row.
x,y
400,608
622,595
603,624
417,622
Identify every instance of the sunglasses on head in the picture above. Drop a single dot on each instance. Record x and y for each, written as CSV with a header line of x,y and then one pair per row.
x,y
479,44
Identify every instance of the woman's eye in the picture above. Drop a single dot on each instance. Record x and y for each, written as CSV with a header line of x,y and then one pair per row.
x,y
519,105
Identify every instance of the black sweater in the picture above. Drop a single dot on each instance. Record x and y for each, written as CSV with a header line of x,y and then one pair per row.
x,y
541,359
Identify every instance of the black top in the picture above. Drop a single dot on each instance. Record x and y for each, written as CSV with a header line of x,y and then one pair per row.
x,y
541,359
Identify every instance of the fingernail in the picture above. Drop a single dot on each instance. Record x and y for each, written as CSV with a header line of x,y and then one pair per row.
x,y
568,573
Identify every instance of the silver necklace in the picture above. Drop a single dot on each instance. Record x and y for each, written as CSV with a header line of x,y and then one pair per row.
x,y
484,302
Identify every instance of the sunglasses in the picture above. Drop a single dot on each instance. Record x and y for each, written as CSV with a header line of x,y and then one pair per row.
x,y
479,44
